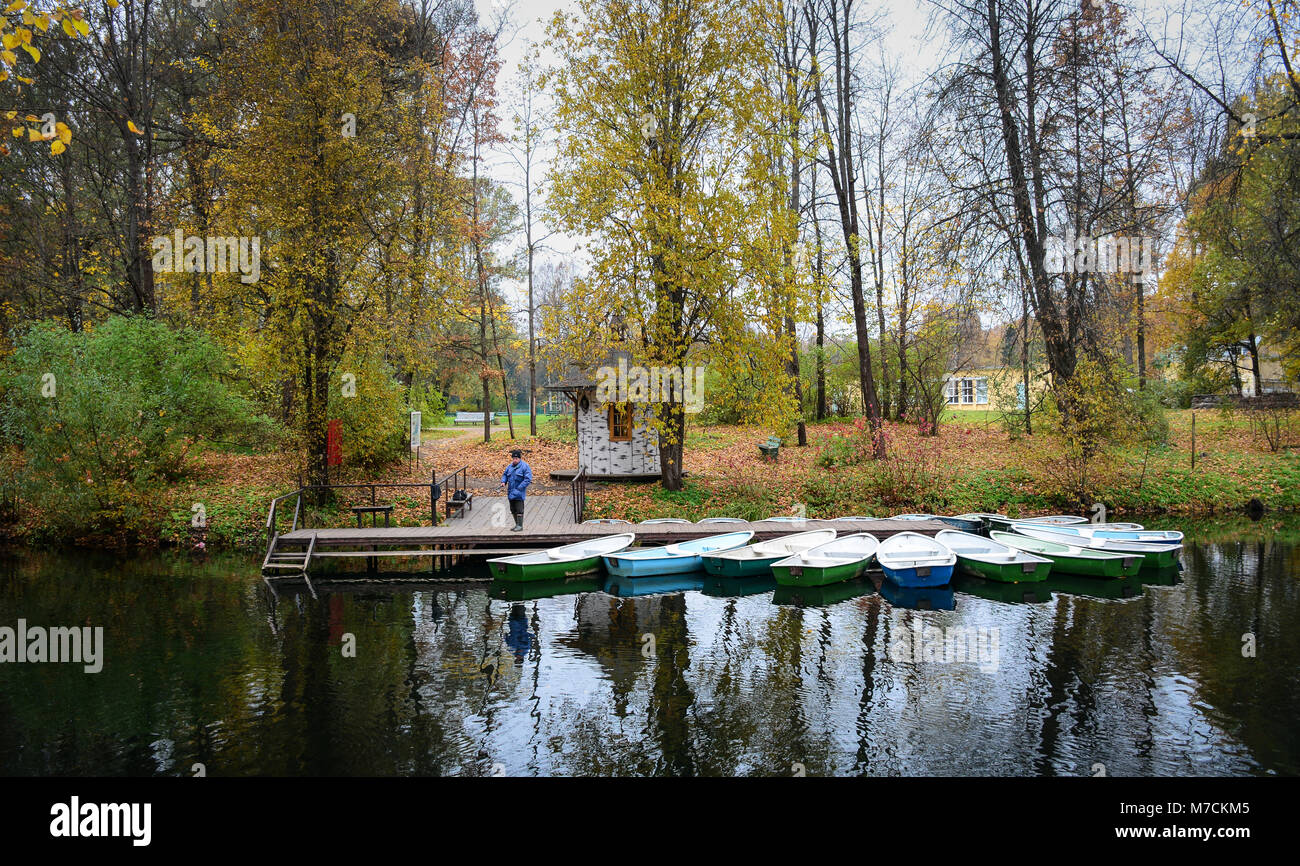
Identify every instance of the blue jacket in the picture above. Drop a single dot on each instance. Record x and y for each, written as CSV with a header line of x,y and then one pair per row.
x,y
516,479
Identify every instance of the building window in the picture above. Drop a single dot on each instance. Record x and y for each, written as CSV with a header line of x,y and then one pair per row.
x,y
968,391
620,424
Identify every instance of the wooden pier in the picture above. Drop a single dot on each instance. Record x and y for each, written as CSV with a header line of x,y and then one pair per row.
x,y
487,530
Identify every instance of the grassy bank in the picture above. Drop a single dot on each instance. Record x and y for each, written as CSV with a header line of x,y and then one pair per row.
x,y
973,465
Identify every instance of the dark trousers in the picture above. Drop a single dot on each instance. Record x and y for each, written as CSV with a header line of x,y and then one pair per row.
x,y
517,507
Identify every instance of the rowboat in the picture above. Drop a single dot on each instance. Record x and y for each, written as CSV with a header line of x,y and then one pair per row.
x,y
918,597
912,559
821,596
1072,559
664,520
567,560
631,587
981,517
965,524
1004,523
676,558
722,520
994,560
757,558
607,520
784,518
857,517
1101,530
1153,555
845,558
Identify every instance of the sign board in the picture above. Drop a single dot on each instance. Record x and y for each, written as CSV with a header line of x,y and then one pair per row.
x,y
415,431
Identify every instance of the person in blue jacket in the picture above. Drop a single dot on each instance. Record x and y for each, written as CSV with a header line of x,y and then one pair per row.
x,y
515,480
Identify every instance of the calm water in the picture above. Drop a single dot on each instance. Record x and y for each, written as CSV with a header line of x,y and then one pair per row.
x,y
203,664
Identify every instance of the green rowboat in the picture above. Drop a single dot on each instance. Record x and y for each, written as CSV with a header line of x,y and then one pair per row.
x,y
756,560
1071,559
993,560
1153,555
567,560
845,558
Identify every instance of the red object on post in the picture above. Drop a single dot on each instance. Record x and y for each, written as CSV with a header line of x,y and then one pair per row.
x,y
333,443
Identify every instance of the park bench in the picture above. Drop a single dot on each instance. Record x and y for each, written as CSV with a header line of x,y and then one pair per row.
x,y
770,449
477,417
456,507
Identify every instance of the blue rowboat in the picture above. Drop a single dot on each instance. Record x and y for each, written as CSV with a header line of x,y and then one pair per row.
x,y
912,559
676,558
1099,531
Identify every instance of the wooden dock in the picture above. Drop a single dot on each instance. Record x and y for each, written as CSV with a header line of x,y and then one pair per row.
x,y
487,530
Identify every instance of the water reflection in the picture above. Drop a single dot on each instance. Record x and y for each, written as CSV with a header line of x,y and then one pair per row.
x,y
204,663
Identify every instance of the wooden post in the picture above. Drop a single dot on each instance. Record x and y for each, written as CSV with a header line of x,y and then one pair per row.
x,y
1193,439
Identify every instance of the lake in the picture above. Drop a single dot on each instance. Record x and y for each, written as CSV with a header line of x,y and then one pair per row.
x,y
206,670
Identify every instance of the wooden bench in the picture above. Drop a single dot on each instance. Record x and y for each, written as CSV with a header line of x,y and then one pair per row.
x,y
468,418
374,511
770,450
460,506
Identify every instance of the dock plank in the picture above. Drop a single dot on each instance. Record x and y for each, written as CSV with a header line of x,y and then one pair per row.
x,y
548,521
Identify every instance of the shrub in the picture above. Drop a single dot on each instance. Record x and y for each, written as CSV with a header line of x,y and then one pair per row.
x,y
105,418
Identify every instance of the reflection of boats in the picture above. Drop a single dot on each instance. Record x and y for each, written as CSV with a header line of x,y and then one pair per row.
x,y
918,597
1004,523
625,586
726,587
513,590
845,558
1093,587
1168,576
912,559
996,590
673,558
757,558
1153,555
992,559
818,596
1072,559
567,560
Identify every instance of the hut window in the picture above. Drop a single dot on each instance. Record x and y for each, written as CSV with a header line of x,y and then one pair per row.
x,y
620,424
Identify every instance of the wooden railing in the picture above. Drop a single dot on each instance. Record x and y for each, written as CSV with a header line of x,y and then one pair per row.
x,y
578,490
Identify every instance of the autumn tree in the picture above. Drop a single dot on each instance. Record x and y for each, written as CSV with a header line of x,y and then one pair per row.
x,y
662,160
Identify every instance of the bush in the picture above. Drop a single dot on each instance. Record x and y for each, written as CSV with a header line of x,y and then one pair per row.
x,y
105,418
